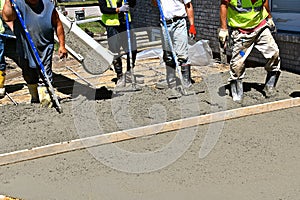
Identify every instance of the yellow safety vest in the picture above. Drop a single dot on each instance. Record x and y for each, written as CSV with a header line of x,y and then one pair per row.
x,y
112,19
244,14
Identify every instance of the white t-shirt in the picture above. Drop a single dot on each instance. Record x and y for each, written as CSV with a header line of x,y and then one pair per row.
x,y
174,8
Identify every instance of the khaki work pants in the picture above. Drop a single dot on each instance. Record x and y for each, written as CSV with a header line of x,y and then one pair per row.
x,y
263,42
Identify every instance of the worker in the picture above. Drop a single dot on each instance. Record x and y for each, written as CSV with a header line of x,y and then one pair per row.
x,y
2,58
115,22
175,13
250,22
41,20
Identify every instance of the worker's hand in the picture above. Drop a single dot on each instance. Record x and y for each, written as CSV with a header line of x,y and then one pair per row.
x,y
271,25
154,3
124,8
223,36
62,52
192,31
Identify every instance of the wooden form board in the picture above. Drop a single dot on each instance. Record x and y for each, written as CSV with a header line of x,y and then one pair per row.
x,y
63,147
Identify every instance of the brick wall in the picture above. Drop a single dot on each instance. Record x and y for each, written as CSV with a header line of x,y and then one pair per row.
x,y
207,23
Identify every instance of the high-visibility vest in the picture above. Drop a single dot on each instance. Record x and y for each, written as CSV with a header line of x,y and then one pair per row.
x,y
244,14
112,19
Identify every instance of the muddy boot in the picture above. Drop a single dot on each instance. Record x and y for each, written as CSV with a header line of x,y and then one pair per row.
x,y
237,90
186,75
170,81
44,96
121,80
33,92
2,80
173,93
271,80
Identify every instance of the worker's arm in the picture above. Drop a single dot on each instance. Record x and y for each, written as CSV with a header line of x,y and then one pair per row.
x,y
190,14
223,31
62,51
8,12
223,14
266,5
270,21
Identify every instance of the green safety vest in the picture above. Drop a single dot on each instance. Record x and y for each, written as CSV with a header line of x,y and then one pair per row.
x,y
112,19
244,14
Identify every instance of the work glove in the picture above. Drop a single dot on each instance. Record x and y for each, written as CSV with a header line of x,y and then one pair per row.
x,y
271,25
44,97
192,32
223,36
124,8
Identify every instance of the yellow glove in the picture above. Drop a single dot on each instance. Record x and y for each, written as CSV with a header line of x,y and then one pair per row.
x,y
44,97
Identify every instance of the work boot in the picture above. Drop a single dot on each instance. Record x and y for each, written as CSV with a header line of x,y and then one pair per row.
x,y
237,90
170,81
33,92
121,80
128,77
2,80
271,80
44,96
186,75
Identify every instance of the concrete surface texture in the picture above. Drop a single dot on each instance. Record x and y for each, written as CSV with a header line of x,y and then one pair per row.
x,y
254,157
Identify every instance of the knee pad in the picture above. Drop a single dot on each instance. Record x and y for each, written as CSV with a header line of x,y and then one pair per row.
x,y
182,62
168,59
118,65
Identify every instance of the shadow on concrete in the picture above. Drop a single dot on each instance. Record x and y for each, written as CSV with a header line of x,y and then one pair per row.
x,y
295,94
14,88
70,87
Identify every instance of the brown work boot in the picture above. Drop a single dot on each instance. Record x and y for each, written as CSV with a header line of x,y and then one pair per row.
x,y
33,93
2,80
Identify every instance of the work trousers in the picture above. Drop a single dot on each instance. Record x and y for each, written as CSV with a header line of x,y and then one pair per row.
x,y
179,40
117,38
2,59
263,42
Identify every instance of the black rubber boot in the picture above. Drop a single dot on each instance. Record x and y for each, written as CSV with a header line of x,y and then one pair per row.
x,y
170,81
271,81
186,75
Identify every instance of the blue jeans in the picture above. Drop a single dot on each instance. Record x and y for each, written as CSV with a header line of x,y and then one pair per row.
x,y
2,59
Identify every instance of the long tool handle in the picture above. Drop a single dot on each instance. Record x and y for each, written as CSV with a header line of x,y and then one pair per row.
x,y
8,35
38,59
129,48
223,55
178,67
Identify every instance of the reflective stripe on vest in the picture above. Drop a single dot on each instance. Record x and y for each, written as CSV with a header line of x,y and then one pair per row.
x,y
112,19
244,14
